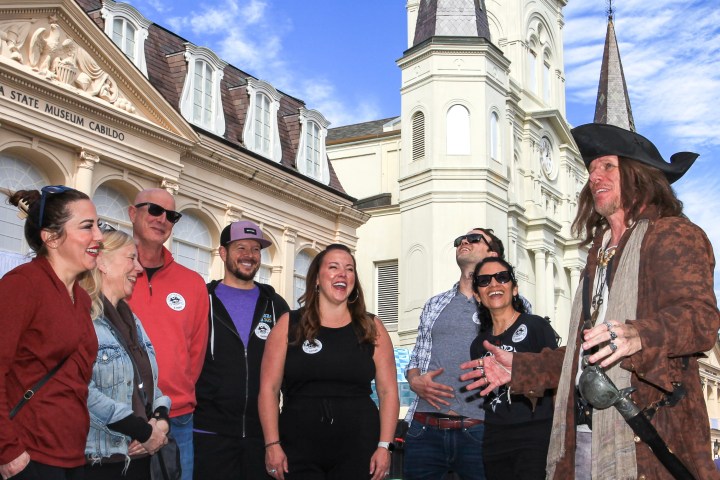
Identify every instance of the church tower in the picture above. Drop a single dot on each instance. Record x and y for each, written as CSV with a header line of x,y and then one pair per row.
x,y
481,141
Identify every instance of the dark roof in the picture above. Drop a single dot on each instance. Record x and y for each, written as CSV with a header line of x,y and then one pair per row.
x,y
451,18
358,130
167,69
613,102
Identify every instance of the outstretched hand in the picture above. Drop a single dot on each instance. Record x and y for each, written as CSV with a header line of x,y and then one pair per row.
x,y
490,372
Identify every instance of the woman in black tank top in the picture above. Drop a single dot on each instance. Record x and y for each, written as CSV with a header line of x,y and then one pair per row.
x,y
323,357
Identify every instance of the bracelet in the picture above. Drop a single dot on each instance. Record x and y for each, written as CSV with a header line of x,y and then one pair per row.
x,y
276,442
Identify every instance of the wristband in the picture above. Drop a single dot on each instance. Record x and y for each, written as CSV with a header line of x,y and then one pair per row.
x,y
276,442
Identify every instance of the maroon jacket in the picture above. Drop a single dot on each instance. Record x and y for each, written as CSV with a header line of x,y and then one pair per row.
x,y
678,320
39,326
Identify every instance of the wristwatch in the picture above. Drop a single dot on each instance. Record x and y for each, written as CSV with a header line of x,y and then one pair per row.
x,y
389,446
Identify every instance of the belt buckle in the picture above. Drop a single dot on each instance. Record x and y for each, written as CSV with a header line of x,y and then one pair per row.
x,y
451,423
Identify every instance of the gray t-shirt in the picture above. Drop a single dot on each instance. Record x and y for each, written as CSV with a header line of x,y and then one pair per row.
x,y
452,333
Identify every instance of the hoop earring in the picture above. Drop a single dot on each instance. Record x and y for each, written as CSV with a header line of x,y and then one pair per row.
x,y
317,288
357,295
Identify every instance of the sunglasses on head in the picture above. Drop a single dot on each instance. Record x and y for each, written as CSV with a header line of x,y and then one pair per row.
x,y
49,190
500,277
106,227
156,210
472,238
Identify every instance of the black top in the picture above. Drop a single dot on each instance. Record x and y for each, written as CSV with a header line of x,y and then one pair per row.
x,y
336,364
529,333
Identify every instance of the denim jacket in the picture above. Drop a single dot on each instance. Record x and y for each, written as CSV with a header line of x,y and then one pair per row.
x,y
111,388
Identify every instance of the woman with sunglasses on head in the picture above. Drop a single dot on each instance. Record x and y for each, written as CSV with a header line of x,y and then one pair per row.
x,y
517,433
129,414
325,356
47,344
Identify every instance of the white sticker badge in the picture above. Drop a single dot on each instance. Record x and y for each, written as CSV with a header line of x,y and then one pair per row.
x,y
313,347
475,318
520,334
175,301
262,330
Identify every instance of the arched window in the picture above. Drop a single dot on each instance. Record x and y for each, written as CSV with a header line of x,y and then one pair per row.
x,y
312,147
547,79
15,174
458,131
112,207
311,159
302,263
201,100
123,35
532,68
192,245
203,94
264,274
260,132
418,136
263,127
495,136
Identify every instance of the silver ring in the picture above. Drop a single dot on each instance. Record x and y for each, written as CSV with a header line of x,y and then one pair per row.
x,y
613,347
272,471
608,325
613,335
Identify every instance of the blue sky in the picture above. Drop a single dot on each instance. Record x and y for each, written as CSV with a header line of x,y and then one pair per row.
x,y
339,57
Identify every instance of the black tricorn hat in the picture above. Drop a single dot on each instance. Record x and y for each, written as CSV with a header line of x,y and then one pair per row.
x,y
599,139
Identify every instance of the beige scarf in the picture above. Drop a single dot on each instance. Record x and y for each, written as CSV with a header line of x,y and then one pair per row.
x,y
613,448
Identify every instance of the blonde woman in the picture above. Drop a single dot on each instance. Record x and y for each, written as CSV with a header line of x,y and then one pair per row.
x,y
127,410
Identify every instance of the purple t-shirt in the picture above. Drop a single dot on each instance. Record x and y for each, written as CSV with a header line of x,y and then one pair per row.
x,y
240,305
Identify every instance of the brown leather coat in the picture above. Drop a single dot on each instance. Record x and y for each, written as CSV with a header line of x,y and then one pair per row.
x,y
678,320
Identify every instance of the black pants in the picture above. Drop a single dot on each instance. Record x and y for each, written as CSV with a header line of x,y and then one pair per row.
x,y
219,457
139,469
40,471
516,452
329,438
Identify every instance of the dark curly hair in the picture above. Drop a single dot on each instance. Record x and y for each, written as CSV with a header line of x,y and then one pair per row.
x,y
309,325
482,311
55,214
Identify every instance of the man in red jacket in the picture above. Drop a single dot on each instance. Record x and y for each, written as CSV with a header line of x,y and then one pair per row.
x,y
172,302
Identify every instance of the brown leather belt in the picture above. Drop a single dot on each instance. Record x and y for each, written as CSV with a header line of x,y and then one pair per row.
x,y
446,423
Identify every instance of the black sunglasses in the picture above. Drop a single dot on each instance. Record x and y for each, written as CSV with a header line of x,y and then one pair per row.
x,y
49,190
500,277
156,210
472,238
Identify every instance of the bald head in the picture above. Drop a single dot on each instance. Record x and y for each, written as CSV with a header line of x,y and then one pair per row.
x,y
158,196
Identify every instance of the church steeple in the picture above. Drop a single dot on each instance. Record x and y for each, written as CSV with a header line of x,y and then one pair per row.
x,y
451,18
613,102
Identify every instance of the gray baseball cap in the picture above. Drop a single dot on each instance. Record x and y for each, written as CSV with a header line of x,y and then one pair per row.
x,y
243,230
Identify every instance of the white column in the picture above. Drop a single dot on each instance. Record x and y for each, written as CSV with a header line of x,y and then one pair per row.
x,y
540,306
287,286
549,287
574,281
85,165
172,188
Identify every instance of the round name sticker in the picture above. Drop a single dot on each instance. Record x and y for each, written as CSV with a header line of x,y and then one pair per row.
x,y
520,334
262,330
175,301
475,318
313,347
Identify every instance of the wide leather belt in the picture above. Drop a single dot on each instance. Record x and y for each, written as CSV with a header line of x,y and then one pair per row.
x,y
446,423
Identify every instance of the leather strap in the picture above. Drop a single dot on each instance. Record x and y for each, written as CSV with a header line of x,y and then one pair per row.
x,y
33,390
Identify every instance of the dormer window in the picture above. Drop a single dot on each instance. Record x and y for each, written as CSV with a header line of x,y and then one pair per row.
x,y
261,134
311,158
201,102
128,29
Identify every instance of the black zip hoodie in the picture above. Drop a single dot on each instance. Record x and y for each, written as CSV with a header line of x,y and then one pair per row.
x,y
229,383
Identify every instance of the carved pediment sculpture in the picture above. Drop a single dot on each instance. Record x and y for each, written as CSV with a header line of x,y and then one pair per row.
x,y
43,47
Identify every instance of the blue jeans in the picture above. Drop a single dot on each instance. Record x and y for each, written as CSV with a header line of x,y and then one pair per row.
x,y
182,429
431,452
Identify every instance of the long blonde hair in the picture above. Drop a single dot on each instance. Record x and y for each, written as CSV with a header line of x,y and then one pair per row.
x,y
92,280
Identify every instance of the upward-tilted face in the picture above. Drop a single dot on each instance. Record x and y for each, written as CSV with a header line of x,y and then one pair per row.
x,y
604,181
149,228
336,277
77,249
472,247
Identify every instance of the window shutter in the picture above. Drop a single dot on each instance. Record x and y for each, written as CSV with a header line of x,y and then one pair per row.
x,y
387,294
418,136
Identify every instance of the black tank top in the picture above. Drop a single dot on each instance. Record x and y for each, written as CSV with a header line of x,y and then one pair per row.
x,y
335,365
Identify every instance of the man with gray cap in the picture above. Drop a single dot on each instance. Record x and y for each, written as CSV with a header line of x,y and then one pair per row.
x,y
228,437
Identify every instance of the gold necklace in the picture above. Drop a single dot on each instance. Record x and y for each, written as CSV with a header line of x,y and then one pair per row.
x,y
512,321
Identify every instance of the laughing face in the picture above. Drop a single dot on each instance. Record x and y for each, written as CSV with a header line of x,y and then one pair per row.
x,y
242,259
605,185
77,249
336,278
120,269
471,253
496,296
149,229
